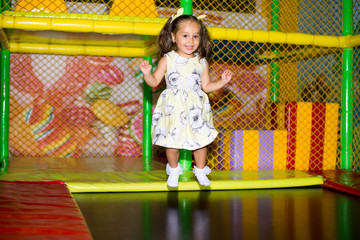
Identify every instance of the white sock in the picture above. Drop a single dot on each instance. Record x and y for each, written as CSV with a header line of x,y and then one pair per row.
x,y
201,175
174,173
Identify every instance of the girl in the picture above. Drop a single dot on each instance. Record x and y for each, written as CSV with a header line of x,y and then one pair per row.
x,y
182,118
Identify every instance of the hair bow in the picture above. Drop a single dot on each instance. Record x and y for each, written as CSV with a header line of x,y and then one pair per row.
x,y
201,17
180,12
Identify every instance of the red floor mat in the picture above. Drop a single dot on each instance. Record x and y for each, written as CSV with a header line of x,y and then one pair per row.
x,y
342,180
39,210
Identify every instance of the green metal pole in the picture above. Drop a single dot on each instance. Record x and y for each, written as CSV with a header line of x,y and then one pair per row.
x,y
5,102
347,90
147,113
275,26
185,155
5,5
187,6
5,98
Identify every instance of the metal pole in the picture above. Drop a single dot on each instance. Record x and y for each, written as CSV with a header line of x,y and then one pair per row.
x,y
147,113
187,6
274,66
275,26
5,5
5,98
5,102
185,157
347,90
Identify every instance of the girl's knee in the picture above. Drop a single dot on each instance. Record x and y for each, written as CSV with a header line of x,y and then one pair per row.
x,y
172,150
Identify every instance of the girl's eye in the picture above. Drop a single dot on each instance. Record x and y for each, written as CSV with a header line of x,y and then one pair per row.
x,y
196,36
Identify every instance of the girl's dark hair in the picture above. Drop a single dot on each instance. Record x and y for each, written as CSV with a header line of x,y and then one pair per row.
x,y
166,44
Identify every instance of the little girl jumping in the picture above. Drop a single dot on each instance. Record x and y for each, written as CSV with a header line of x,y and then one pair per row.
x,y
182,118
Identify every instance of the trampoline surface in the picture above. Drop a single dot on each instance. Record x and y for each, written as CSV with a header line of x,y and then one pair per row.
x,y
289,213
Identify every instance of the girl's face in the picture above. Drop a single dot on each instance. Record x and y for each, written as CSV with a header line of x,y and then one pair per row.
x,y
187,38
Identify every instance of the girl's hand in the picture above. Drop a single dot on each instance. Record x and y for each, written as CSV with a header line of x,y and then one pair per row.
x,y
226,76
145,67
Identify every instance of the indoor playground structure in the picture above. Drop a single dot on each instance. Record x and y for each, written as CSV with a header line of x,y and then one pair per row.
x,y
76,122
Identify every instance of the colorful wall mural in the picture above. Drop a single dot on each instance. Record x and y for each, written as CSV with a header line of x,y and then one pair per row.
x,y
83,106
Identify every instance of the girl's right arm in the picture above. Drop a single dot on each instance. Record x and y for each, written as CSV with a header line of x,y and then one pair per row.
x,y
153,79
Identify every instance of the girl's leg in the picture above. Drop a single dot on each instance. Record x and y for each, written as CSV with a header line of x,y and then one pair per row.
x,y
173,168
172,156
200,157
200,170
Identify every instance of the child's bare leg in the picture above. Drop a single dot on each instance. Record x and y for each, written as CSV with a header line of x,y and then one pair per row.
x,y
172,156
200,170
200,157
173,168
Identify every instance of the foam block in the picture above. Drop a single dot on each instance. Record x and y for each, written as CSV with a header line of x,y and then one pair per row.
x,y
312,135
251,149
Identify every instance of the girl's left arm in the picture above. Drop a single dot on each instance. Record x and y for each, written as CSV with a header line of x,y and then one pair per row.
x,y
208,86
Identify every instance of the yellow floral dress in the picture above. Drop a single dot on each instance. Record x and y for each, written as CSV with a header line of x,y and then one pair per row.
x,y
182,118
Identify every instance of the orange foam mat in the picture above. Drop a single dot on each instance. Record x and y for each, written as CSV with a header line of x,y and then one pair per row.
x,y
40,210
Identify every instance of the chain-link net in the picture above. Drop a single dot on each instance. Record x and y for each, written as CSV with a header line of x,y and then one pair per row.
x,y
281,110
356,89
308,79
75,106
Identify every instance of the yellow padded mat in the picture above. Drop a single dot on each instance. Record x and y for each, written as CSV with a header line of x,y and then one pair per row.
x,y
127,175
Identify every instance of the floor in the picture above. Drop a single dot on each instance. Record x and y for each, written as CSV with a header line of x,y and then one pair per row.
x,y
32,189
292,213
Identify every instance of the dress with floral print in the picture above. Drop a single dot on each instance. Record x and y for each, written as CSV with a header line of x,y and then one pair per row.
x,y
182,118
